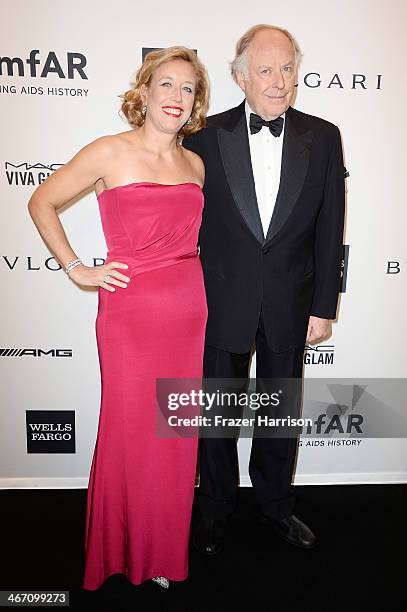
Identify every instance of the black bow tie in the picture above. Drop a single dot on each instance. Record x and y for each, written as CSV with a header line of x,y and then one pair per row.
x,y
275,125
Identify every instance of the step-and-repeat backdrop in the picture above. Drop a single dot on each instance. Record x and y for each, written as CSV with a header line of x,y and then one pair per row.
x,y
62,68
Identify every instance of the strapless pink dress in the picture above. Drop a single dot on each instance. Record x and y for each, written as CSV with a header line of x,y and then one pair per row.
x,y
141,486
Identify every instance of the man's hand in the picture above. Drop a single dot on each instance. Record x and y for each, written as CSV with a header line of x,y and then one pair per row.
x,y
318,329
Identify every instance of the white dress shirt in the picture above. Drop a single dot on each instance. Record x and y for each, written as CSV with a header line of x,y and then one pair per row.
x,y
265,152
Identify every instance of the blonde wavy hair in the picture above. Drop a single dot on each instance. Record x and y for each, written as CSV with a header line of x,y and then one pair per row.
x,y
132,103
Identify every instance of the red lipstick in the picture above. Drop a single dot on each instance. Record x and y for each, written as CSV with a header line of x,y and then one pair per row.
x,y
170,114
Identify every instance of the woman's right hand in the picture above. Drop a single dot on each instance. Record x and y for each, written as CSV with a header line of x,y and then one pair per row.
x,y
95,276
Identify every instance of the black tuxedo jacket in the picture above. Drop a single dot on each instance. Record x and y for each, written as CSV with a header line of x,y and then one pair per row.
x,y
292,272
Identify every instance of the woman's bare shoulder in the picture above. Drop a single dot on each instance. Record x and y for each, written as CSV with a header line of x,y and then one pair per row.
x,y
196,162
110,143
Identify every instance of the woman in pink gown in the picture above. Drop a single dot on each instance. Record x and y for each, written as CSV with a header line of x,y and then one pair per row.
x,y
151,316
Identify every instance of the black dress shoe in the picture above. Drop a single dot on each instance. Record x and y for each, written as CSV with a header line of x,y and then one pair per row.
x,y
209,535
292,530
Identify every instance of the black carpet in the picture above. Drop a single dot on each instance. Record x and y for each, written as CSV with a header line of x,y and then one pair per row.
x,y
360,563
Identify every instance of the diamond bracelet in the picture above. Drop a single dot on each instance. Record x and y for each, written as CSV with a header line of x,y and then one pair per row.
x,y
72,264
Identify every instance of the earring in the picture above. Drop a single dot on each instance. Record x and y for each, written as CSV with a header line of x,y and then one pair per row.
x,y
144,110
189,121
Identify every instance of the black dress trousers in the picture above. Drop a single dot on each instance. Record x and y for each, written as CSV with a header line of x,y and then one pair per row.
x,y
271,459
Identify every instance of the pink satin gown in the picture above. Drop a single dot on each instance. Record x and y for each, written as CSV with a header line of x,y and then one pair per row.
x,y
141,486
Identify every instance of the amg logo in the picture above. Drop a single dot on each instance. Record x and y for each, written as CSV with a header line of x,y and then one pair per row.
x,y
74,66
35,352
319,355
29,174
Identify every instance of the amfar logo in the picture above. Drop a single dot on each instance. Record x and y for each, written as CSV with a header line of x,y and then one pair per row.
x,y
35,352
28,174
73,65
353,81
393,267
344,267
321,354
50,431
50,263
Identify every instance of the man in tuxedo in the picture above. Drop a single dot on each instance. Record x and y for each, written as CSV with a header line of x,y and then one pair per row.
x,y
271,249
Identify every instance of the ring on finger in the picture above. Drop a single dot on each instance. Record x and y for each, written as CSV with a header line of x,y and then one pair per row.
x,y
106,278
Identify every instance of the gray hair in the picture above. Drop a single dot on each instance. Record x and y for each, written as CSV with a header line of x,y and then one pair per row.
x,y
241,63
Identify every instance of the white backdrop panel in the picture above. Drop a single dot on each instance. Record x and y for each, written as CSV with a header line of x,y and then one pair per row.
x,y
42,308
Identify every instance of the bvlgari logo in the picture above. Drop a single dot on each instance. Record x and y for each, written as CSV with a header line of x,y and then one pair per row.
x,y
15,262
356,82
26,174
394,267
50,431
320,354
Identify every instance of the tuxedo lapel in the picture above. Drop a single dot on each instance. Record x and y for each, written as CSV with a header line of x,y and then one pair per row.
x,y
235,152
294,165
